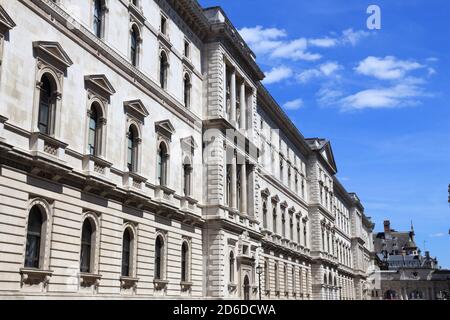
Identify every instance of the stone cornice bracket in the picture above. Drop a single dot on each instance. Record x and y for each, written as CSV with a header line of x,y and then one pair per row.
x,y
6,23
189,143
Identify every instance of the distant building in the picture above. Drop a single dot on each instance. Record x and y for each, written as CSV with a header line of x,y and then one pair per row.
x,y
403,272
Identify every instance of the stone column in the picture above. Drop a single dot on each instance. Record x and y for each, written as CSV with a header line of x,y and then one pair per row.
x,y
225,84
233,96
233,183
243,99
244,188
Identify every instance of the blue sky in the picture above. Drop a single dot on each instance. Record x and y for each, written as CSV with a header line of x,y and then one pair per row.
x,y
381,97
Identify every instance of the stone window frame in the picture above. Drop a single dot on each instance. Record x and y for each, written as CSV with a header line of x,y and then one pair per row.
x,y
133,228
6,24
41,275
92,278
92,100
163,280
163,50
188,147
187,74
187,283
105,11
136,113
53,65
164,132
135,26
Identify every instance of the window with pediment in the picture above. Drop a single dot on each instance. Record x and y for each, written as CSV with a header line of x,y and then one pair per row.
x,y
52,65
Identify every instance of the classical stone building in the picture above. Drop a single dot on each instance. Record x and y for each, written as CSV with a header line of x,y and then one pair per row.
x,y
402,272
142,157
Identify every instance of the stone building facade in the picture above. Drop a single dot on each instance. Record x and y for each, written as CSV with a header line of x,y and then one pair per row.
x,y
403,272
141,157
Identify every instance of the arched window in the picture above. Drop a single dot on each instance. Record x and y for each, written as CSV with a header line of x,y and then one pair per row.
x,y
99,17
47,103
324,279
231,267
162,164
87,246
94,138
187,91
132,149
134,50
159,258
126,252
34,237
163,68
184,262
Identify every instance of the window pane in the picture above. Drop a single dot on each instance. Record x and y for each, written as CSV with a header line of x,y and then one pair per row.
x,y
32,251
126,253
86,244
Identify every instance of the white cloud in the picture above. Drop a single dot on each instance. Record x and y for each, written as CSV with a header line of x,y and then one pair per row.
x,y
387,68
431,71
324,70
323,42
294,104
261,40
328,96
278,74
353,37
400,95
437,235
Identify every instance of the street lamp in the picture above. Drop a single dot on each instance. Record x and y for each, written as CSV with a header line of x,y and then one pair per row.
x,y
259,270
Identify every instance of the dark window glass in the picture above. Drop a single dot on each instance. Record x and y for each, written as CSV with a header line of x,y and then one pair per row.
x,y
45,106
158,258
126,253
34,234
231,267
162,165
187,179
93,127
163,70
184,262
86,246
131,150
187,91
98,18
134,47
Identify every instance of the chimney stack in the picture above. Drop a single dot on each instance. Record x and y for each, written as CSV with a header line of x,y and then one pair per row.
x,y
387,226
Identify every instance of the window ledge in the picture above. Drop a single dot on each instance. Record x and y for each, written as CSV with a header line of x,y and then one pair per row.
x,y
90,279
34,276
160,284
185,285
128,282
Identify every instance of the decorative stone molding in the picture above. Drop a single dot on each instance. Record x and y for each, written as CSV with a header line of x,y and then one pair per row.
x,y
6,23
165,128
90,280
128,283
186,285
35,277
136,108
160,285
99,84
52,53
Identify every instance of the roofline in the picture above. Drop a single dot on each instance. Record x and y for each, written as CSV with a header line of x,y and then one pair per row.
x,y
283,120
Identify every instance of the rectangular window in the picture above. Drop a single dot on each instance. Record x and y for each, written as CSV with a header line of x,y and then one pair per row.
x,y
186,49
163,25
1,54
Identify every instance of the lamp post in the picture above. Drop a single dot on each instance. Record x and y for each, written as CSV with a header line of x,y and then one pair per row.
x,y
259,271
